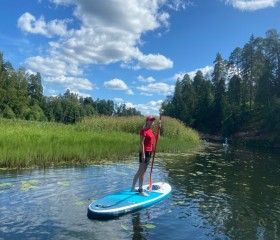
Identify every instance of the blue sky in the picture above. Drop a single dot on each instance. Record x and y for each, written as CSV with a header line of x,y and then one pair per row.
x,y
129,51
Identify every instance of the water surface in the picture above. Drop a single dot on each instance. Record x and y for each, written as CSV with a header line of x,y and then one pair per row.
x,y
217,194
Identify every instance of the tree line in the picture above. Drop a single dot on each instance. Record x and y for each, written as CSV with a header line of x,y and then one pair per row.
x,y
244,89
21,97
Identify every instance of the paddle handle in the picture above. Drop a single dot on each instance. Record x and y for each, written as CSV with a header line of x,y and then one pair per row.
x,y
154,153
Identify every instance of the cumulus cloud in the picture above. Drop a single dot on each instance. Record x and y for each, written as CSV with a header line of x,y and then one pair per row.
x,y
153,61
146,80
104,34
70,82
108,33
55,93
164,19
118,84
207,70
118,100
151,107
159,88
28,23
251,5
83,95
146,94
180,4
52,66
148,108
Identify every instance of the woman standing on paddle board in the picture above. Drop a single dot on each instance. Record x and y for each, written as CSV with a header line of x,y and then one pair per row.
x,y
147,139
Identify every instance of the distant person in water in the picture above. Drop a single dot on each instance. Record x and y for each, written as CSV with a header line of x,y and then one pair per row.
x,y
225,144
147,140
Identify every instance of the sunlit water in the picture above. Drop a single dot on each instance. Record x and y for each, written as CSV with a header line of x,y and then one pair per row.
x,y
217,194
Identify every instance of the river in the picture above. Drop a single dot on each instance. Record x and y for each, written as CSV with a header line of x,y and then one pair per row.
x,y
217,194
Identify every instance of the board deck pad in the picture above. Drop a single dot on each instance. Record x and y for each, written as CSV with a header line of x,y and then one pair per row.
x,y
126,201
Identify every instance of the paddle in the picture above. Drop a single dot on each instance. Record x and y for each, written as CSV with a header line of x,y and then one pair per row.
x,y
155,148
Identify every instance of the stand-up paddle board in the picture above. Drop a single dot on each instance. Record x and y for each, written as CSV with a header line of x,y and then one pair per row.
x,y
127,201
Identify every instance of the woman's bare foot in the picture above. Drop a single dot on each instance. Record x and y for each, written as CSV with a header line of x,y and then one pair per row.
x,y
143,194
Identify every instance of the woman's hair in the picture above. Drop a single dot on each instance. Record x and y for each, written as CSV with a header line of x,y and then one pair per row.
x,y
145,125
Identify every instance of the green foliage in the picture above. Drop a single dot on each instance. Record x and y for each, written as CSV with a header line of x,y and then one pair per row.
x,y
111,124
29,143
21,97
249,82
272,121
170,128
122,110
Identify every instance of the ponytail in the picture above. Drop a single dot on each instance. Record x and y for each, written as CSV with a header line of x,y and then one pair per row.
x,y
145,125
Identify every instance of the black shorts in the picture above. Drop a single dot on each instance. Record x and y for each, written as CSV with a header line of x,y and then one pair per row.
x,y
147,157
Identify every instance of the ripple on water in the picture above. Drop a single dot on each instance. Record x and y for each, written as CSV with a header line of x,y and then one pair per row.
x,y
216,195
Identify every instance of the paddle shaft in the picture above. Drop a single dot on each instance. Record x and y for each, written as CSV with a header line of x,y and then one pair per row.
x,y
154,154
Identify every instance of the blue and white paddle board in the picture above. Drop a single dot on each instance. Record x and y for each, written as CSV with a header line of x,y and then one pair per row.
x,y
126,201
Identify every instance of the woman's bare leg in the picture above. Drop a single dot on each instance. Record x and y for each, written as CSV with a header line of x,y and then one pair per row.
x,y
139,176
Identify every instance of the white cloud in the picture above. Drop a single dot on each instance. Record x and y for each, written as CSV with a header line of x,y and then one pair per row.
x,y
148,108
146,94
83,95
53,92
146,80
151,107
104,34
180,4
118,84
179,76
52,66
205,70
129,92
28,23
62,2
129,105
160,88
70,82
163,18
108,33
251,5
153,61
118,100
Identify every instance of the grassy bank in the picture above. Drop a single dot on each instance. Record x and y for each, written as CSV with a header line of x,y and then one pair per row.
x,y
27,143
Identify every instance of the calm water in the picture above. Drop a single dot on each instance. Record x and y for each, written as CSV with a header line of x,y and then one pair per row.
x,y
216,195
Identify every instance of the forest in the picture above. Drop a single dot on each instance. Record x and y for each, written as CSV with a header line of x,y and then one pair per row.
x,y
242,95
21,97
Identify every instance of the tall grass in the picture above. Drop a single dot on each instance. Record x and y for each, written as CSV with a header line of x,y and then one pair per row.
x,y
170,128
26,143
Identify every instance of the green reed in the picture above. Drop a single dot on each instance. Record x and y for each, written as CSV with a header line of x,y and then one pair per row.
x,y
170,127
27,143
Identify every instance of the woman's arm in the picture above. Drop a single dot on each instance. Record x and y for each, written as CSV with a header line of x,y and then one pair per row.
x,y
142,146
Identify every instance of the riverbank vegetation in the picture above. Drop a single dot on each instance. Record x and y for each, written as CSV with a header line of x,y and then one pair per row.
x,y
241,99
30,143
21,97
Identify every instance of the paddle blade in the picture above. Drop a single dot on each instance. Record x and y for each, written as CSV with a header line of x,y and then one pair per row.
x,y
150,184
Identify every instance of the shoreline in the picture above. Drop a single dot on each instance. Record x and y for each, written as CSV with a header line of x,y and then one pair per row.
x,y
25,144
249,139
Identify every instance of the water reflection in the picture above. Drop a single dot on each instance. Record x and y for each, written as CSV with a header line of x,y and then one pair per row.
x,y
236,191
217,194
139,230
